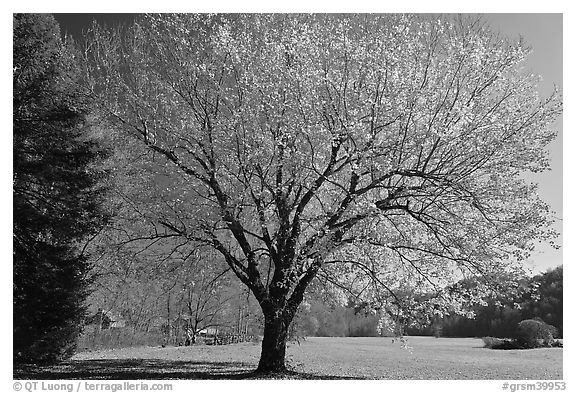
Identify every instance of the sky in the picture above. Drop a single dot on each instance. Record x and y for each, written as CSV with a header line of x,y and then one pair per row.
x,y
543,32
74,24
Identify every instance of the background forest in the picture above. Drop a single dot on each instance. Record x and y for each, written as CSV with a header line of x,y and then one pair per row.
x,y
148,304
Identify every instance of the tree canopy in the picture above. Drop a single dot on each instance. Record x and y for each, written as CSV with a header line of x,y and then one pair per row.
x,y
382,153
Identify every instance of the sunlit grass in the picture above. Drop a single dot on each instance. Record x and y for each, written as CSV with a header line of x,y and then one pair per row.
x,y
315,357
427,358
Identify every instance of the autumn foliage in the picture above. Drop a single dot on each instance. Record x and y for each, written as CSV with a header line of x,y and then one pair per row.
x,y
379,153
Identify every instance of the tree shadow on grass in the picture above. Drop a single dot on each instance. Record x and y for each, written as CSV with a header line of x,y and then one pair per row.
x,y
142,369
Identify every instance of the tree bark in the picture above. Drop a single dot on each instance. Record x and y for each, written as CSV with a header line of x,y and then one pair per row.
x,y
272,358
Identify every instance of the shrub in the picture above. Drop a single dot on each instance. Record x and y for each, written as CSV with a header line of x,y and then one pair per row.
x,y
533,333
557,344
500,343
491,342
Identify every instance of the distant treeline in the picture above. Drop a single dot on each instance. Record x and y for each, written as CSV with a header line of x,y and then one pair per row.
x,y
328,320
499,318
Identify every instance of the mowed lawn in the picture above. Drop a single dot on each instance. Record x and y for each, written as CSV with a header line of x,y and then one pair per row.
x,y
427,358
315,357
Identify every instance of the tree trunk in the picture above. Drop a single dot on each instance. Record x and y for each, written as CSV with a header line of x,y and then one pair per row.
x,y
272,358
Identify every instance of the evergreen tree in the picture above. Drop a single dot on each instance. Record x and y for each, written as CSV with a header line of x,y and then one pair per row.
x,y
55,191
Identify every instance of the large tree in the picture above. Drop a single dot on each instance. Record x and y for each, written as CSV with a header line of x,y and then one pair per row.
x,y
383,153
55,192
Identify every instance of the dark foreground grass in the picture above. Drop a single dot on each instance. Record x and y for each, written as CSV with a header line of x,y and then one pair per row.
x,y
314,358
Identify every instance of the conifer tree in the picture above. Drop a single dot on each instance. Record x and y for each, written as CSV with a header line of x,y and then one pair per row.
x,y
56,195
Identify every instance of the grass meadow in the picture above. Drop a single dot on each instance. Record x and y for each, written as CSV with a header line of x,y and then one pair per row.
x,y
315,358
